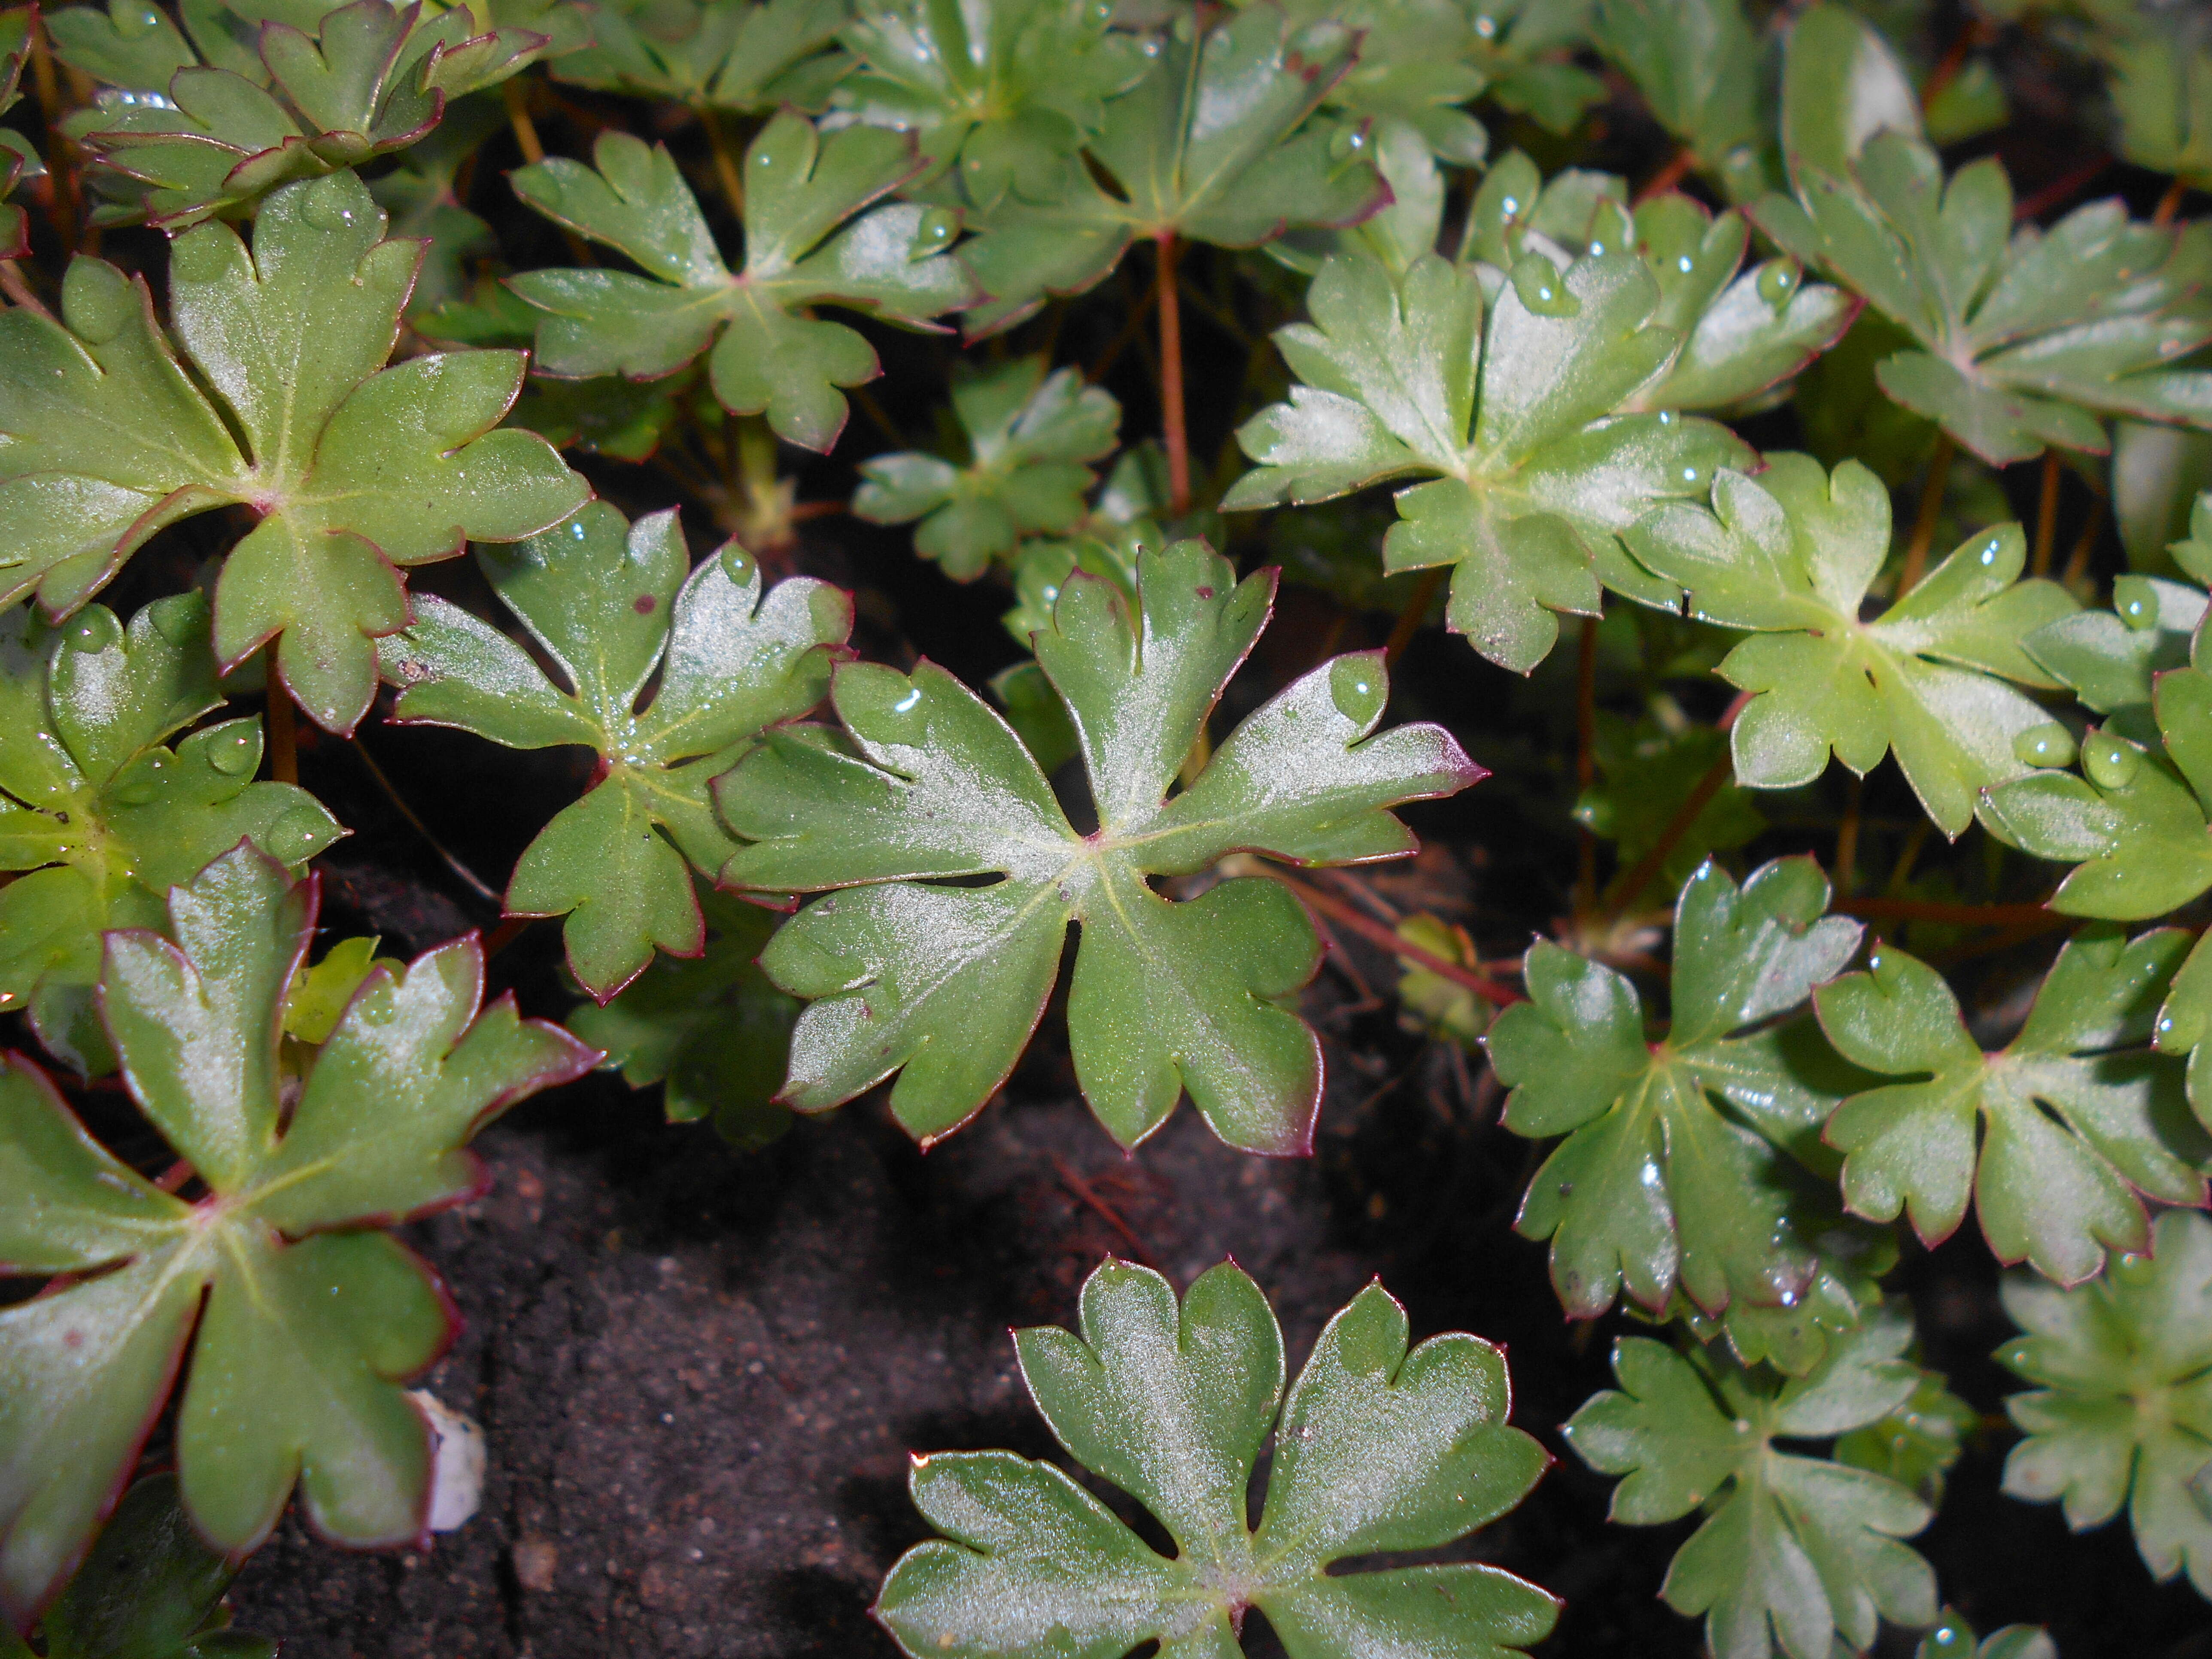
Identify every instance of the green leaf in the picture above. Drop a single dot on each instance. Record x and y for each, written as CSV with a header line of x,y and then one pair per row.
x,y
1796,1553
713,1032
767,352
1028,437
2161,86
2136,822
318,994
2029,336
1915,1444
2185,1021
1403,376
1207,147
713,54
1419,61
102,814
149,1590
1647,771
2121,1414
1656,1184
2076,1117
1005,93
612,603
2108,658
1791,555
1429,1003
1376,1448
1850,1257
1697,65
944,983
354,470
178,141
19,158
314,1316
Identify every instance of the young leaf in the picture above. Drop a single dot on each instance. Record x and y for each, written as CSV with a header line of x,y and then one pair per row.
x,y
1206,148
2161,87
2109,659
2122,1412
1796,1553
102,817
948,982
314,1315
611,603
2076,1117
151,1589
1028,437
767,352
179,141
1004,92
713,54
714,1032
1376,1448
1419,61
1403,376
353,470
2137,822
1437,1007
1697,62
1850,1257
2029,337
1656,1184
1915,1444
1791,555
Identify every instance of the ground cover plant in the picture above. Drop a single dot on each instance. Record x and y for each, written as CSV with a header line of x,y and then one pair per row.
x,y
1583,619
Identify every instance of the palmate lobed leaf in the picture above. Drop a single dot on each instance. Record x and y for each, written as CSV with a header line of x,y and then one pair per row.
x,y
2122,1412
180,139
807,241
612,604
944,984
713,54
1002,92
1376,1448
101,815
353,470
1796,1553
1211,145
1791,555
2137,821
1672,1170
2056,1139
313,1315
1697,65
2029,337
1511,404
1029,435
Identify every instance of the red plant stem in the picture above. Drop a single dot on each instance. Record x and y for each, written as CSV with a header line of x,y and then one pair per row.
x,y
1071,1178
1931,506
1847,835
1171,411
1626,888
2061,189
1120,342
1677,169
1953,59
1970,916
1415,613
505,934
283,743
2046,516
802,511
1338,911
2170,204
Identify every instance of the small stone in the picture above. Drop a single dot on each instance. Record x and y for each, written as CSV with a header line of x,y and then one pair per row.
x,y
536,1561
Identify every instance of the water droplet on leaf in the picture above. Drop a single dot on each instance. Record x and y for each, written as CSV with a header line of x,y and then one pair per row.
x,y
2048,745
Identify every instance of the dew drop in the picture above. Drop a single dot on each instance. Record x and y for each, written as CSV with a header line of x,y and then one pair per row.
x,y
1689,475
94,631
2111,763
2137,602
2049,745
906,703
1686,264
235,752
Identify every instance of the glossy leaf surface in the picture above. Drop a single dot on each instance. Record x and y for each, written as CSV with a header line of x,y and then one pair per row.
x,y
713,54
2057,1138
944,984
612,604
1791,556
102,814
807,241
1672,1172
2029,336
314,1316
1376,1448
354,471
